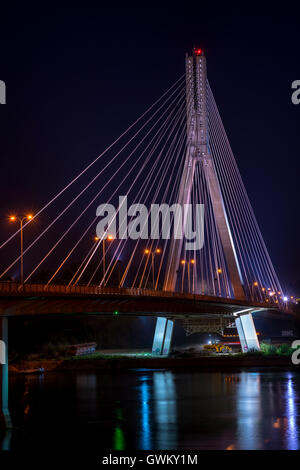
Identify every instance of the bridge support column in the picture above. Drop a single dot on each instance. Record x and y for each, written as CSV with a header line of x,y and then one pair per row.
x,y
5,420
247,333
162,336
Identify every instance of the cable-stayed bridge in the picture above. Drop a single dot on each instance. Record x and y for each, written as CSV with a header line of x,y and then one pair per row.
x,y
175,156
179,238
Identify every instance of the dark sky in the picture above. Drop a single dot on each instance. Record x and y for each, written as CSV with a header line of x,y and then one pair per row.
x,y
77,77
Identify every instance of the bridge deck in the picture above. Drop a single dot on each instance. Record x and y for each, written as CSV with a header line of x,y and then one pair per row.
x,y
29,299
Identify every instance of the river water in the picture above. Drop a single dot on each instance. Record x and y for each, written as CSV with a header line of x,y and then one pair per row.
x,y
143,409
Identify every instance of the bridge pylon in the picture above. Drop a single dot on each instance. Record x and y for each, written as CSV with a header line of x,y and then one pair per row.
x,y
198,152
162,336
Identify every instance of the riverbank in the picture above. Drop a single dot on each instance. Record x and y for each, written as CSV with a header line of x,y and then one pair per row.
x,y
124,363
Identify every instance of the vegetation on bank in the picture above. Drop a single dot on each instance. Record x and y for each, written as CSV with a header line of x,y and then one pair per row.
x,y
58,352
99,355
269,350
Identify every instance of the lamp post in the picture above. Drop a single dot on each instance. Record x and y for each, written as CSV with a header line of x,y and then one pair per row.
x,y
152,253
14,218
183,271
109,238
184,262
189,277
219,272
157,251
193,262
255,284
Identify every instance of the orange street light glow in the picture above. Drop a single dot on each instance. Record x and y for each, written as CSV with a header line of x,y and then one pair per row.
x,y
192,261
12,218
255,283
147,252
219,270
182,261
110,237
30,216
158,250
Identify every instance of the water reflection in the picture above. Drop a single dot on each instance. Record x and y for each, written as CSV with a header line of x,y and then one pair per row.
x,y
145,394
119,435
292,437
249,413
6,440
158,411
267,411
148,410
165,400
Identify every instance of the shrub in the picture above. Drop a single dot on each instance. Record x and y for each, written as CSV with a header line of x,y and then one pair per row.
x,y
254,352
268,349
285,350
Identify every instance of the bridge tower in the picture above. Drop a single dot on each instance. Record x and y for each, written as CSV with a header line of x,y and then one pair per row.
x,y
198,150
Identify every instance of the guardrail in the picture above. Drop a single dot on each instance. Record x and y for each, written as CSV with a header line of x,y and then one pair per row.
x,y
17,288
14,288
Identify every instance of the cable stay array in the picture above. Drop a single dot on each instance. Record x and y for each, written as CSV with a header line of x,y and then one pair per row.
x,y
145,164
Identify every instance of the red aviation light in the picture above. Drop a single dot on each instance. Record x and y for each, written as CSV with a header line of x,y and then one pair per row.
x,y
198,51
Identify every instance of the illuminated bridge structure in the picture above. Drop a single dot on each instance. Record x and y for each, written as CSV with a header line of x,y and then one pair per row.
x,y
175,155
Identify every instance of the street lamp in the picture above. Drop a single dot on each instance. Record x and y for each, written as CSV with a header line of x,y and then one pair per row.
x,y
253,290
219,271
109,238
183,271
152,253
184,262
14,218
193,262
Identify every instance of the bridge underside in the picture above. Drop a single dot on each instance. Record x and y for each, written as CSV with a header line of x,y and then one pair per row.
x,y
195,313
125,301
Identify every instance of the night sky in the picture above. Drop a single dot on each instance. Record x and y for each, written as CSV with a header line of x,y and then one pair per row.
x,y
77,77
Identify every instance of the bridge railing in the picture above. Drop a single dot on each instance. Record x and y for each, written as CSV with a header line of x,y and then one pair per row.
x,y
28,288
17,289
